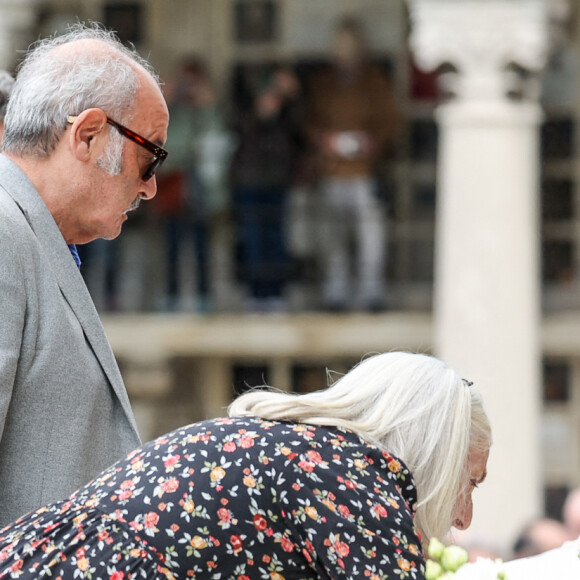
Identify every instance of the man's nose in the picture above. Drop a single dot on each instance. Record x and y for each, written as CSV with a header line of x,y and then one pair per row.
x,y
149,189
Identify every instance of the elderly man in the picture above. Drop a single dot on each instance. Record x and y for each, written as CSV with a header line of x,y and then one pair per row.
x,y
82,141
6,83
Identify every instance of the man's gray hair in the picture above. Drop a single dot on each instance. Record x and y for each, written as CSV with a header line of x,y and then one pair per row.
x,y
49,87
6,84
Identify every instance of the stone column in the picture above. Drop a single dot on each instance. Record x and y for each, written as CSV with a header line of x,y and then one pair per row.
x,y
487,279
16,21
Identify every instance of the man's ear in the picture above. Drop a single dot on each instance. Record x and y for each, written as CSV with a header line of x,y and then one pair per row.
x,y
85,127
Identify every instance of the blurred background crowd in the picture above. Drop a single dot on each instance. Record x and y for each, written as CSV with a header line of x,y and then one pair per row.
x,y
272,195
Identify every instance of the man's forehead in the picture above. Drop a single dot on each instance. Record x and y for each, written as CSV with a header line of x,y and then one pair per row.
x,y
150,113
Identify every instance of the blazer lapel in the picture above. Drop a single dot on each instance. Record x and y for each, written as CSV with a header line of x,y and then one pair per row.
x,y
66,273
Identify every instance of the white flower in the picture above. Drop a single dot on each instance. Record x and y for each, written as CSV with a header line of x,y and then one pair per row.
x,y
561,563
482,569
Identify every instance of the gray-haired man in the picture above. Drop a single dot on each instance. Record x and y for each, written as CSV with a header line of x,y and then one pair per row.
x,y
83,133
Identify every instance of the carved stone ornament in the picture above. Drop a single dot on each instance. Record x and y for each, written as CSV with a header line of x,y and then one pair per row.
x,y
494,47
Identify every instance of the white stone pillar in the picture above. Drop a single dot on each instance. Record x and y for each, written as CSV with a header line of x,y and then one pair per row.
x,y
487,280
16,21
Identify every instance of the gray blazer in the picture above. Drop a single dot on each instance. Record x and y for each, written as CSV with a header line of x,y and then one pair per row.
x,y
64,411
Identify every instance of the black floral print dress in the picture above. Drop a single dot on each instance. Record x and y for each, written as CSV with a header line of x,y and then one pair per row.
x,y
240,498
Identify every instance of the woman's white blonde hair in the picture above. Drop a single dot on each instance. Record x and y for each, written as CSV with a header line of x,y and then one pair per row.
x,y
412,405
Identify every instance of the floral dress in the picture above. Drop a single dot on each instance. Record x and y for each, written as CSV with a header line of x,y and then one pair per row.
x,y
231,498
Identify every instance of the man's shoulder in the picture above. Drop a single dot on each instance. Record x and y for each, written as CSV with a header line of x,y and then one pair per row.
x,y
17,238
15,184
11,215
21,206
10,173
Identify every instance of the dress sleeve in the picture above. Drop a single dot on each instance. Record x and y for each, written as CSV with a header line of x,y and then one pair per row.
x,y
353,515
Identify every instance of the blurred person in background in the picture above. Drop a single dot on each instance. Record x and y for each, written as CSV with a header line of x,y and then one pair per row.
x,y
545,552
538,536
344,482
263,171
82,141
352,118
479,549
571,513
6,83
194,183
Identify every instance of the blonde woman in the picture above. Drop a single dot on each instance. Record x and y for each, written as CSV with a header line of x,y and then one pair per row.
x,y
344,482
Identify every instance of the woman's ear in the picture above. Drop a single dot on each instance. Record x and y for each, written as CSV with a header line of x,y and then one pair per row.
x,y
85,128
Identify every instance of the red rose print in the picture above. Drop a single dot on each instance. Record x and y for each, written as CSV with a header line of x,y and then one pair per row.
x,y
247,442
172,460
344,511
260,522
224,515
236,542
287,545
151,519
341,548
170,486
314,456
380,510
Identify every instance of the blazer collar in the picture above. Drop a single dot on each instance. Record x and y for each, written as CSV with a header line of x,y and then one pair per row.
x,y
65,271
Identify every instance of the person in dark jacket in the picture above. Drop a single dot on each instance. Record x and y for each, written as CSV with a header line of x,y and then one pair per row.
x,y
262,174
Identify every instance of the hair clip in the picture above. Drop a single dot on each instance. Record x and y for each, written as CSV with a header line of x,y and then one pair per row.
x,y
467,383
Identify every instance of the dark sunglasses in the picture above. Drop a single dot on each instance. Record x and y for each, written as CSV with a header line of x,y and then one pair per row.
x,y
159,154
